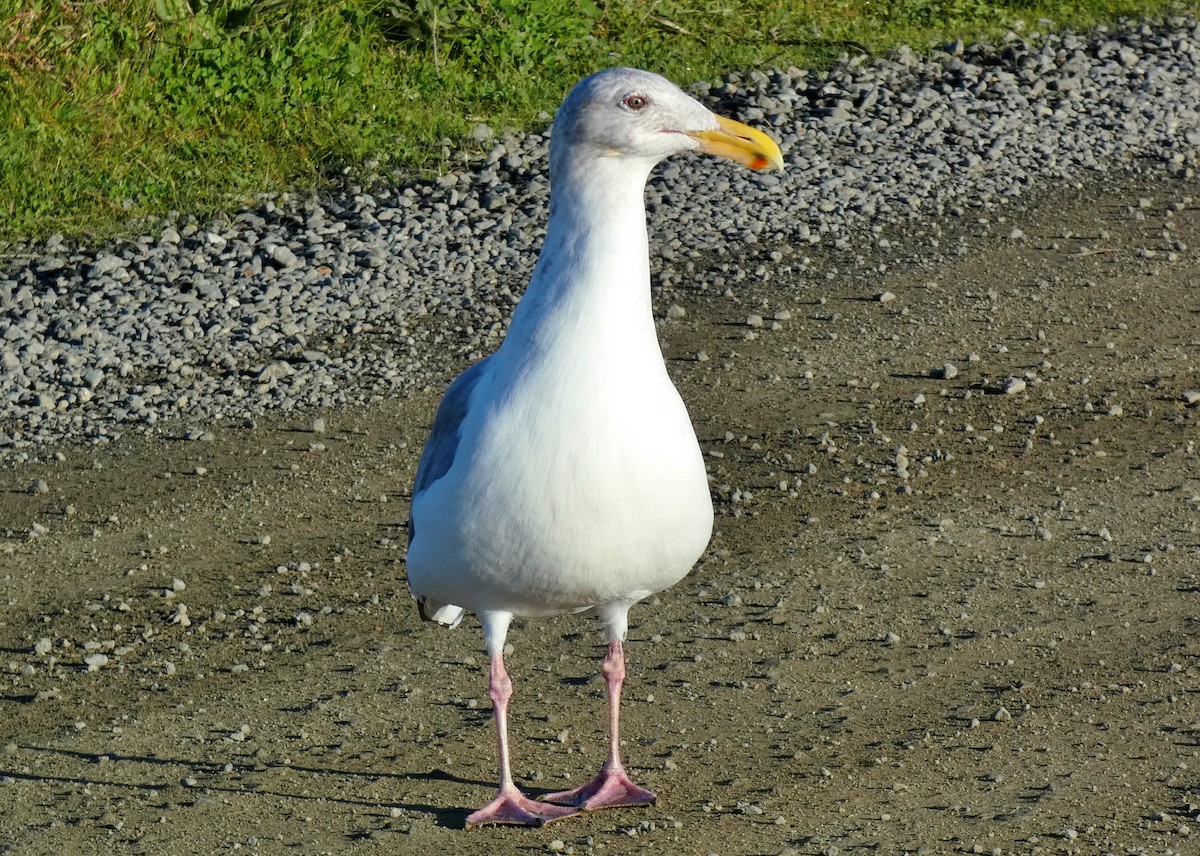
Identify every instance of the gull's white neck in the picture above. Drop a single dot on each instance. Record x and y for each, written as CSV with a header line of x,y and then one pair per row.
x,y
593,275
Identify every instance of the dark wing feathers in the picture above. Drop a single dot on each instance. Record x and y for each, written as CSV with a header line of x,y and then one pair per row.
x,y
436,460
442,445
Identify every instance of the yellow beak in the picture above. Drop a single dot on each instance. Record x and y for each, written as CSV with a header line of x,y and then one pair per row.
x,y
740,143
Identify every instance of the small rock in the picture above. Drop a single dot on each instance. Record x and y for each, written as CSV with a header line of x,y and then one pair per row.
x,y
181,617
284,256
1014,385
276,370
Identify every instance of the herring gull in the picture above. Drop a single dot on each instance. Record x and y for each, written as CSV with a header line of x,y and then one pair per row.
x,y
562,472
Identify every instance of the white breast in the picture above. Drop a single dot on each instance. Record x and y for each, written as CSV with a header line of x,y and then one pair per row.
x,y
580,483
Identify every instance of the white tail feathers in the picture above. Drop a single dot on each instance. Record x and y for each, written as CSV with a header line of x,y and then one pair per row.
x,y
446,614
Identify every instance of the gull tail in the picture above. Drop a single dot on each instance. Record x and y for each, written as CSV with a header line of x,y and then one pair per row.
x,y
446,614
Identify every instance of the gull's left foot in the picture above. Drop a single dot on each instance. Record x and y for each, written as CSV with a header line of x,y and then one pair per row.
x,y
610,789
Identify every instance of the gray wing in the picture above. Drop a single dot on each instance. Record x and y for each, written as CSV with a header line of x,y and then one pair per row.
x,y
442,445
436,460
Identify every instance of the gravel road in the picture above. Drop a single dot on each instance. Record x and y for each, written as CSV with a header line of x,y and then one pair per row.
x,y
944,371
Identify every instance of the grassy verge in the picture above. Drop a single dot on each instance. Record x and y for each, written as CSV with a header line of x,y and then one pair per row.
x,y
115,110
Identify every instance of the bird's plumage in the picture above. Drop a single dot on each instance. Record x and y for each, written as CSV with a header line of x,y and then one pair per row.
x,y
562,473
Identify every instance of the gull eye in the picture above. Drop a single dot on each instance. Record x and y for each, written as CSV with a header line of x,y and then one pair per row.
x,y
636,102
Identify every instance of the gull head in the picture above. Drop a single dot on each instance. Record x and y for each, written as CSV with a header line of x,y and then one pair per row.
x,y
640,116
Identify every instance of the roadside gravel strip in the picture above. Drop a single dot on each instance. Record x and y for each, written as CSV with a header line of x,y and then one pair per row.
x,y
314,303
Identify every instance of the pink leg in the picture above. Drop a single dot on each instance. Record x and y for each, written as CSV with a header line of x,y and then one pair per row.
x,y
510,805
611,787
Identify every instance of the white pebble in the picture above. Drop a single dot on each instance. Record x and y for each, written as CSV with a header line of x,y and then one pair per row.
x,y
181,617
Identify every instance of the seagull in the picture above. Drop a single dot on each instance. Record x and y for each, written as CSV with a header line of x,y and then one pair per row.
x,y
562,473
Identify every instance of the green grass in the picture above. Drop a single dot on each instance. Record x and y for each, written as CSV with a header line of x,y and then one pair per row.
x,y
113,111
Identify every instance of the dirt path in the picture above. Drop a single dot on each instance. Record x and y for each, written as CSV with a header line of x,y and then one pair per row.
x,y
989,643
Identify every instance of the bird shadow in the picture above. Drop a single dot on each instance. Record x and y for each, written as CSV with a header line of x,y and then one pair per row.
x,y
201,783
